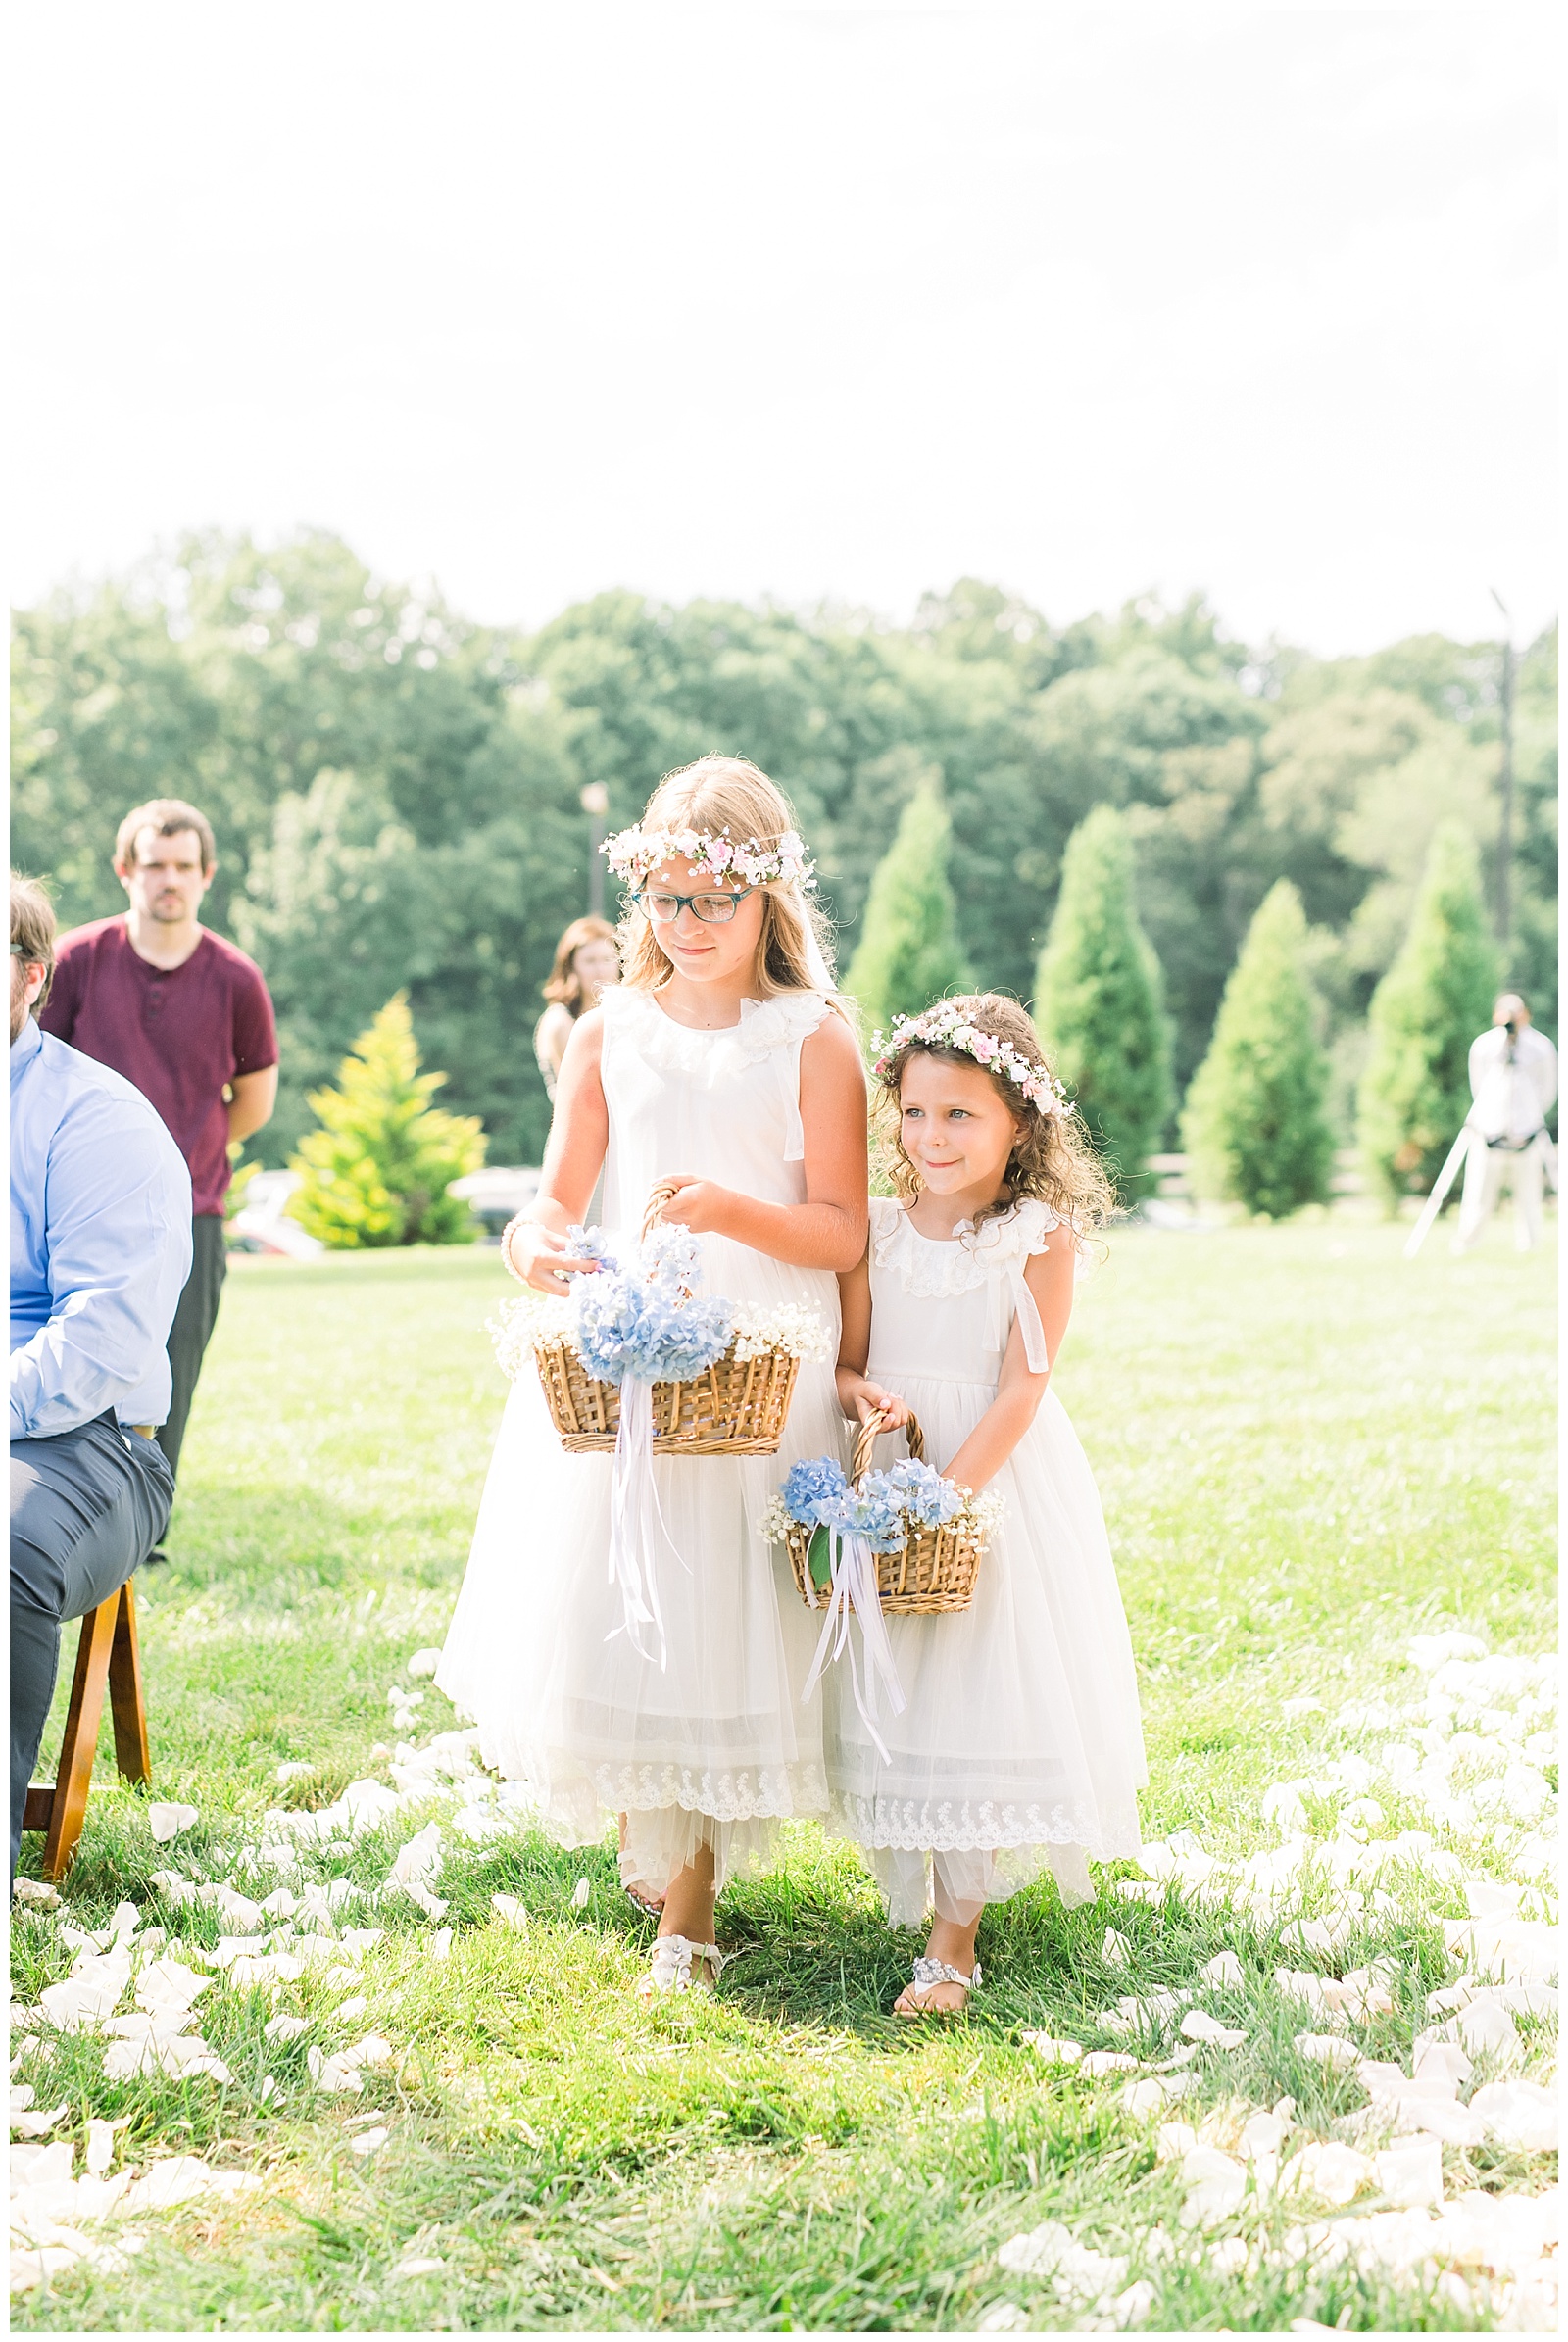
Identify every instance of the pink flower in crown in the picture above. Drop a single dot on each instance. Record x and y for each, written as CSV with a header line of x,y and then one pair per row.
x,y
720,852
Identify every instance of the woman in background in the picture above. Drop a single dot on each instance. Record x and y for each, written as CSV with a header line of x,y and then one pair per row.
x,y
586,960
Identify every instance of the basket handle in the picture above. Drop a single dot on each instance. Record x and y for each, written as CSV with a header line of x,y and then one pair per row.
x,y
654,1209
865,1440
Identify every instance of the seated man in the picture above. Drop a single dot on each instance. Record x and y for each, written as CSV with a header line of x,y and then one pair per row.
x,y
100,1248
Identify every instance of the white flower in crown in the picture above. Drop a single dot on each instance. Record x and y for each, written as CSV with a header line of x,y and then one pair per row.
x,y
636,852
947,1026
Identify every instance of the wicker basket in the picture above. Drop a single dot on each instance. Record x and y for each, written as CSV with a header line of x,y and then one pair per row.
x,y
935,1571
734,1407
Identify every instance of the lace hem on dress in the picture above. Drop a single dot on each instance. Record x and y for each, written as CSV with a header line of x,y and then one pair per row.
x,y
964,1827
926,1267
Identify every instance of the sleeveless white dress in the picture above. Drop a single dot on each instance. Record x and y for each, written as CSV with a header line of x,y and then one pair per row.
x,y
1021,1746
715,1748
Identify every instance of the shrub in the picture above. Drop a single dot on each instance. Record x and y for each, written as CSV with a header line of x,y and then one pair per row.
x,y
1436,998
908,955
1099,1002
377,1172
1253,1123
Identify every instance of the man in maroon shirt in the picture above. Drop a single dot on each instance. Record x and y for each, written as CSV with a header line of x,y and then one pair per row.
x,y
186,1016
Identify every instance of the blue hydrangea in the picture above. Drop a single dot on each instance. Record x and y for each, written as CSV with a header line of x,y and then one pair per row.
x,y
624,1324
816,1492
877,1515
927,1500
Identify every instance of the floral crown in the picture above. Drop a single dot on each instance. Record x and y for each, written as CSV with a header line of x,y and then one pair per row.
x,y
635,853
948,1025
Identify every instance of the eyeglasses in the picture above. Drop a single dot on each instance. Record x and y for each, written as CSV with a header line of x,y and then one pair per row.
x,y
715,910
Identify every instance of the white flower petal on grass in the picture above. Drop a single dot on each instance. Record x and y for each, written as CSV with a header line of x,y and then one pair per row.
x,y
1302,1707
1173,2139
1199,2026
295,1769
101,2145
1433,2060
35,2125
1116,1949
1431,1651
421,1859
422,2265
368,2140
167,1822
1143,2097
168,1984
424,1663
1223,1969
37,1893
1037,2252
1216,2184
1332,2172
579,1895
1052,2052
1003,2317
511,1911
285,2028
1410,2170
266,2090
1519,2115
1328,2049
182,2179
1107,2061
439,1946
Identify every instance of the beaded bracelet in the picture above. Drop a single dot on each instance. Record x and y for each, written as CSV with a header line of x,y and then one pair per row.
x,y
517,1220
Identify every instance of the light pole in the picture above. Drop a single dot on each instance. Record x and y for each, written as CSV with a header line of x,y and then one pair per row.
x,y
594,803
1505,781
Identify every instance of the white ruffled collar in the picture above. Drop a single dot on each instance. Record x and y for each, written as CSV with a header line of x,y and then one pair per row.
x,y
929,1265
765,1026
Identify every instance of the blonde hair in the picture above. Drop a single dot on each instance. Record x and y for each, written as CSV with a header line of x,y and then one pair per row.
x,y
1051,1160
730,792
565,985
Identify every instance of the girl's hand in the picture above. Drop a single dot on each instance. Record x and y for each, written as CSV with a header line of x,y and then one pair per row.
x,y
539,1258
870,1398
695,1204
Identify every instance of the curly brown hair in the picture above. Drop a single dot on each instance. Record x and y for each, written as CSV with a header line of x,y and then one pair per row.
x,y
1052,1159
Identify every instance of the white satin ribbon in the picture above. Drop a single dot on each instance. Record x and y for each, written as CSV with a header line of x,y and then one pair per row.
x,y
1027,1312
636,1523
853,1572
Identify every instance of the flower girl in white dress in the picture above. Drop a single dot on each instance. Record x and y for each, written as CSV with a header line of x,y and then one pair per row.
x,y
722,1071
1020,1744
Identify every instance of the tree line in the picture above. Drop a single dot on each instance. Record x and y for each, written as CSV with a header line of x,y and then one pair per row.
x,y
397,790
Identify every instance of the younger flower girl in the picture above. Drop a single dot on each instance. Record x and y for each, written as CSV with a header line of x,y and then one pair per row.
x,y
1020,1745
721,1073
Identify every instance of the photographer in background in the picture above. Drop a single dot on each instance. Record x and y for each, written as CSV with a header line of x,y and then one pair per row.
x,y
1513,1080
186,1016
100,1248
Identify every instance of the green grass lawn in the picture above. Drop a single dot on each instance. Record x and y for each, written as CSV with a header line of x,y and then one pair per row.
x,y
1308,1450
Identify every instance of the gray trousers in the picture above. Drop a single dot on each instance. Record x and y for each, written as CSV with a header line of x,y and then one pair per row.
x,y
192,1329
87,1509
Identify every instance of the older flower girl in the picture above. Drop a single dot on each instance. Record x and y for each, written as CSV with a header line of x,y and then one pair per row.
x,y
1020,1744
722,1072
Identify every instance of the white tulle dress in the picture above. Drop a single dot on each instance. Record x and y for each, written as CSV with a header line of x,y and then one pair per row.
x,y
713,1747
1021,1745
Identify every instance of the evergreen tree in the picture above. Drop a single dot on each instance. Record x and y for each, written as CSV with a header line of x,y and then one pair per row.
x,y
377,1171
1099,1001
909,953
1253,1123
1436,998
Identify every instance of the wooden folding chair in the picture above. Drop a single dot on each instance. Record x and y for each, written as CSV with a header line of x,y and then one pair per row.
x,y
108,1653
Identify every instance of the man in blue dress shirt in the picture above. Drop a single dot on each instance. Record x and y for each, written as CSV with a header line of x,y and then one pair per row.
x,y
100,1249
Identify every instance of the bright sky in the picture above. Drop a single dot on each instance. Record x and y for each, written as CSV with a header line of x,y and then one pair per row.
x,y
816,303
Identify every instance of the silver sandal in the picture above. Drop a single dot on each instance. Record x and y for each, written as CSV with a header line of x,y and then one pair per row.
x,y
928,1974
672,1966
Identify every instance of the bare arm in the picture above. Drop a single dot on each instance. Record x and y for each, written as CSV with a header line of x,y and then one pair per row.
x,y
828,1229
1049,1278
575,1156
251,1099
858,1396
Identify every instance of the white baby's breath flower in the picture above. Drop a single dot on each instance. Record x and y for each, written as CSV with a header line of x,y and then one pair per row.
x,y
775,1522
528,1324
784,1326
